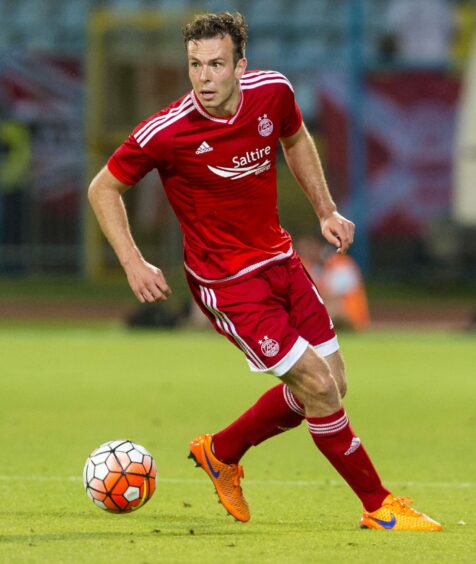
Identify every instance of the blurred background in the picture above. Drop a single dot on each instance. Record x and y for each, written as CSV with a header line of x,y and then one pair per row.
x,y
387,88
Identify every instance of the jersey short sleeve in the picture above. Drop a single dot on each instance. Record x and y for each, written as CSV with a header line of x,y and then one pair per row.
x,y
130,163
292,117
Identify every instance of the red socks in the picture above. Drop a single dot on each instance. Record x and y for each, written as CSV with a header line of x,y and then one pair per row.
x,y
276,411
334,437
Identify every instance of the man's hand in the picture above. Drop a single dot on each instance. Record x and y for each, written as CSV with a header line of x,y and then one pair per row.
x,y
146,281
339,231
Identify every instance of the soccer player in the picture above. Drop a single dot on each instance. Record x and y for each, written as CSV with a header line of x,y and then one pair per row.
x,y
215,150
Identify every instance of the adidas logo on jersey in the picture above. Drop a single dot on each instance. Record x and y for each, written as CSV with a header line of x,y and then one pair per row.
x,y
204,148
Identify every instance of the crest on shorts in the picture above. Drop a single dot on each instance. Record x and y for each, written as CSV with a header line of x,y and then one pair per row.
x,y
265,126
269,347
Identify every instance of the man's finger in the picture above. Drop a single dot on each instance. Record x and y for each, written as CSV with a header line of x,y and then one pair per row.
x,y
154,292
346,235
162,294
333,239
161,283
148,296
164,288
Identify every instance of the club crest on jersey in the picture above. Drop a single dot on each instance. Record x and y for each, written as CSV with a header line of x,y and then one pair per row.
x,y
269,347
265,126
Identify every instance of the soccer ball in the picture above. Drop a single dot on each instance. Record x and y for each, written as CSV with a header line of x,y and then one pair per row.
x,y
119,476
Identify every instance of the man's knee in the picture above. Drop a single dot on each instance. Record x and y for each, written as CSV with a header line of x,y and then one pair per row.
x,y
337,366
311,376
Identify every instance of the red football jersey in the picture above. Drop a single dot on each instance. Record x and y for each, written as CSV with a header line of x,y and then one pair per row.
x,y
219,175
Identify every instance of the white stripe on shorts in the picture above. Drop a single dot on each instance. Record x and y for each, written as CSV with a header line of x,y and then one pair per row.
x,y
329,347
288,361
209,299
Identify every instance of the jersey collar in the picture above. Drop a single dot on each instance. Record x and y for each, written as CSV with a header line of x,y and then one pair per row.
x,y
201,110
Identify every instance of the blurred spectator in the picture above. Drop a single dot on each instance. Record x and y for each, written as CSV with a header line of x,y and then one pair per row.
x,y
15,156
420,31
339,280
465,18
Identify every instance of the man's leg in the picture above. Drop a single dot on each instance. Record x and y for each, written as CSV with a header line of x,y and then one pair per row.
x,y
337,367
249,314
276,411
311,380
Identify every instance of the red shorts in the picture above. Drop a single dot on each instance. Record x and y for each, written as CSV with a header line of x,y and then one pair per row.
x,y
272,316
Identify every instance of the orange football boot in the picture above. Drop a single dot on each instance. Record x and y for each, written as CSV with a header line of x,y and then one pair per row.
x,y
395,514
225,477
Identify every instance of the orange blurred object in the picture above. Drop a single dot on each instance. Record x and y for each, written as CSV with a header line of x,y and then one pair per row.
x,y
339,281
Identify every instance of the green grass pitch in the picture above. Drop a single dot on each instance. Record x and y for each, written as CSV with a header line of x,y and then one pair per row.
x,y
66,389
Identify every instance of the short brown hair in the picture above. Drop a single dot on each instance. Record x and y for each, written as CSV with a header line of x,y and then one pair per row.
x,y
206,26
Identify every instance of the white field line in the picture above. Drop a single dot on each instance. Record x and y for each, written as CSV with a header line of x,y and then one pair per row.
x,y
289,483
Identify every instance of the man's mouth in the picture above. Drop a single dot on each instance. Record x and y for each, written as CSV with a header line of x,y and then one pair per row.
x,y
207,94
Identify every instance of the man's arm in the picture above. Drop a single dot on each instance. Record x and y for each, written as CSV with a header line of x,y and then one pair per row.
x,y
105,195
303,161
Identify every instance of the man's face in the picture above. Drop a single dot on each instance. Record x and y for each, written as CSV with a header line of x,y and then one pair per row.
x,y
213,74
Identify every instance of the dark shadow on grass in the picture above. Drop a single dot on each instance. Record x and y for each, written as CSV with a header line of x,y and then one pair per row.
x,y
32,538
184,518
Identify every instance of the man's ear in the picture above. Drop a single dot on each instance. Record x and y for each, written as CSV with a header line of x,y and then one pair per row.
x,y
240,68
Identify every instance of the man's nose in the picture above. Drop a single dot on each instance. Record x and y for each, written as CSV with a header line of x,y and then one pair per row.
x,y
204,73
